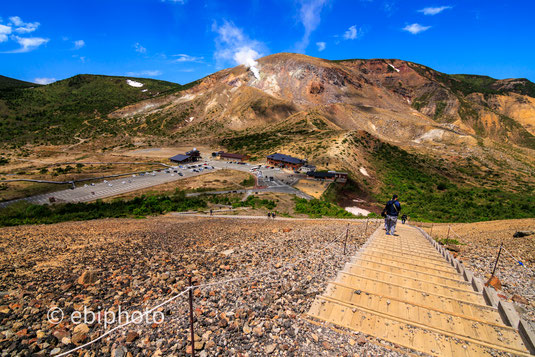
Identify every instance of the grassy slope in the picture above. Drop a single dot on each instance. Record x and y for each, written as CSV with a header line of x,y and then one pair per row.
x,y
57,112
9,83
429,192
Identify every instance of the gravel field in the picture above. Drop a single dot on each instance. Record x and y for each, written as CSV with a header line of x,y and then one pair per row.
x,y
479,247
105,265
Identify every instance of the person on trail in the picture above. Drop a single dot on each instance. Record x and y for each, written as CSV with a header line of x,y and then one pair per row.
x,y
269,215
403,218
392,209
273,215
211,212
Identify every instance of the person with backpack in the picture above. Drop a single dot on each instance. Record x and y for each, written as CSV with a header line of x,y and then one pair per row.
x,y
392,209
403,218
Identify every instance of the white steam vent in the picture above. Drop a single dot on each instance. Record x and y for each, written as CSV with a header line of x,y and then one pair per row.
x,y
247,56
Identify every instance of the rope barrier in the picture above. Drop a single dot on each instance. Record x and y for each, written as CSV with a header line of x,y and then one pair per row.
x,y
123,325
201,286
508,252
518,261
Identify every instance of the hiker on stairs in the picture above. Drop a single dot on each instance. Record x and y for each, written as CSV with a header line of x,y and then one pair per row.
x,y
392,209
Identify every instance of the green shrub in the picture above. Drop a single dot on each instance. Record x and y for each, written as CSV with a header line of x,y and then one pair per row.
x,y
26,213
318,208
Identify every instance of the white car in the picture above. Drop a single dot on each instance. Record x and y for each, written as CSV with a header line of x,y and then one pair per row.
x,y
110,185
105,181
133,175
123,182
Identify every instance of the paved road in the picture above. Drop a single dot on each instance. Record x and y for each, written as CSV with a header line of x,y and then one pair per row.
x,y
275,180
110,188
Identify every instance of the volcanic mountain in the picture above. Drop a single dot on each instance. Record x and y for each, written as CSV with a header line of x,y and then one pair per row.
x,y
393,124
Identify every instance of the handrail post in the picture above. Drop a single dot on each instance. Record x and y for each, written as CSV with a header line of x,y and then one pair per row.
x,y
497,258
191,317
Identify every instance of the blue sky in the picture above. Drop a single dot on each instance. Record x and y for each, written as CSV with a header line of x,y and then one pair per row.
x,y
183,40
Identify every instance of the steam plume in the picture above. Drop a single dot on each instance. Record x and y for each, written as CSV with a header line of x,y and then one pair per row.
x,y
247,56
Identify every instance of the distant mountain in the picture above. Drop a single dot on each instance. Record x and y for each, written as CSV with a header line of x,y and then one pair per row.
x,y
457,147
8,83
73,108
449,144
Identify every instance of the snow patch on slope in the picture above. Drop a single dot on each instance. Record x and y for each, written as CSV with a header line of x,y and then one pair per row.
x,y
134,83
395,69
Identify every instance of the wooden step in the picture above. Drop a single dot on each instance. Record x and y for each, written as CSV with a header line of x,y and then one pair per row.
x,y
385,259
420,275
407,332
429,316
366,280
407,281
400,289
409,258
448,304
437,260
406,249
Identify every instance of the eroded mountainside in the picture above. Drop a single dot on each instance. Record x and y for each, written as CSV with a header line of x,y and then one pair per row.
x,y
394,125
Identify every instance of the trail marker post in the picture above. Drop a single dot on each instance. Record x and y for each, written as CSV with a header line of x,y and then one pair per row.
x,y
191,317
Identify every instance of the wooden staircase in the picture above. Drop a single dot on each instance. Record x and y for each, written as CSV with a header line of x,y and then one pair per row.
x,y
400,289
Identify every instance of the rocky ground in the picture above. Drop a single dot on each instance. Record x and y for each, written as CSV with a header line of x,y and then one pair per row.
x,y
478,250
137,264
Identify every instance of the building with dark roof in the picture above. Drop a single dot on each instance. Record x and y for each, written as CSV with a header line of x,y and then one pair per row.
x,y
195,154
227,155
180,159
286,161
190,156
328,175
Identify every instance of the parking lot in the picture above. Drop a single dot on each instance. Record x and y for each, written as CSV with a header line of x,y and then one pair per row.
x,y
270,178
109,188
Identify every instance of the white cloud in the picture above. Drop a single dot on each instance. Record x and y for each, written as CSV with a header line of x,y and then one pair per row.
x,y
321,46
79,44
44,80
140,48
148,73
28,44
21,26
4,31
416,28
187,58
232,44
434,10
181,2
351,33
309,14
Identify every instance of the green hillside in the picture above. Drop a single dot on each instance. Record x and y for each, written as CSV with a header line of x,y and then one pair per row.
x,y
74,107
9,83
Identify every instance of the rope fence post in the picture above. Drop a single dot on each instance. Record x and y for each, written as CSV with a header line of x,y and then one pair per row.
x,y
431,232
345,241
448,236
497,258
191,317
366,229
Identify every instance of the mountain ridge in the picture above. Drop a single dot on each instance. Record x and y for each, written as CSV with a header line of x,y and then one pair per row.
x,y
459,135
